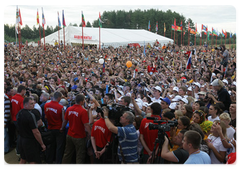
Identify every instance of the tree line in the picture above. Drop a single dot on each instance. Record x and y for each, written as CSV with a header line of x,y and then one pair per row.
x,y
137,19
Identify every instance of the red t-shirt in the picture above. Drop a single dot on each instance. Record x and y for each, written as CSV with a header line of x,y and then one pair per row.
x,y
101,133
151,69
17,105
53,112
77,117
148,135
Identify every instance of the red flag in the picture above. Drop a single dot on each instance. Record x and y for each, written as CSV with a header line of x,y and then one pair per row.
x,y
20,18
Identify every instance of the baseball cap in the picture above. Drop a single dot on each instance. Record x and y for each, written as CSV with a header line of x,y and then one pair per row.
x,y
74,87
225,81
189,88
197,84
173,105
202,93
166,100
176,88
185,100
158,88
176,98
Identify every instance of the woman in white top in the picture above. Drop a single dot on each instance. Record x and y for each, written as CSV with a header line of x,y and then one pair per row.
x,y
214,142
214,112
226,119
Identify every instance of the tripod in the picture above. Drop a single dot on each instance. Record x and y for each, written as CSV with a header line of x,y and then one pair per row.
x,y
159,140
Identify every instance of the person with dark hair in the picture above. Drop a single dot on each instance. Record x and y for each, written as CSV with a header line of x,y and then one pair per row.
x,y
191,143
187,111
198,104
30,137
233,111
148,137
179,155
125,101
17,105
54,113
78,120
214,112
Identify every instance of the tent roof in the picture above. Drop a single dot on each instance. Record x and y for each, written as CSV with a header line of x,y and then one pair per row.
x,y
109,36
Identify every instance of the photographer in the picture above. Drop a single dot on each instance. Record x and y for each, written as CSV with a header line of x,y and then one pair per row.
x,y
127,136
178,156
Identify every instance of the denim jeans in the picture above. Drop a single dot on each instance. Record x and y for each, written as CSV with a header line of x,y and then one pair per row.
x,y
54,151
6,140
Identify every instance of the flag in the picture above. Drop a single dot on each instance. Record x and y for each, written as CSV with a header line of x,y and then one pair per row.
x,y
173,27
20,18
204,28
59,22
43,19
149,26
83,21
178,28
196,28
225,33
100,21
208,34
230,34
37,18
181,25
156,26
17,16
63,19
189,62
164,27
192,31
214,32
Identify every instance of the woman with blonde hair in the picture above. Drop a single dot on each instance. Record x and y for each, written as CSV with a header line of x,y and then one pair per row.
x,y
214,142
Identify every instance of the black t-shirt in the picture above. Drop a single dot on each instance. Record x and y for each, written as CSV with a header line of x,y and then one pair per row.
x,y
26,121
224,97
181,154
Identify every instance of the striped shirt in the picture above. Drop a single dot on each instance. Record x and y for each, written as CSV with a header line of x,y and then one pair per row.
x,y
128,139
7,109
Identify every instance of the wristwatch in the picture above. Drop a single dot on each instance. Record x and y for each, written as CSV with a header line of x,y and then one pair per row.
x,y
105,117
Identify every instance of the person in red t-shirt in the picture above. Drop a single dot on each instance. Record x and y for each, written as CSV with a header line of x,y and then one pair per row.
x,y
17,105
148,137
54,113
100,138
78,120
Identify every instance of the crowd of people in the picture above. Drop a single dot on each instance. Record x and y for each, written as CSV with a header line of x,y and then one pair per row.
x,y
64,105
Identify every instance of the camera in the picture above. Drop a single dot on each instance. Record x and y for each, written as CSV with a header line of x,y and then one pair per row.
x,y
143,84
115,112
163,127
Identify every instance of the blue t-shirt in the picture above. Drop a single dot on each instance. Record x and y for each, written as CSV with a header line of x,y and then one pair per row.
x,y
128,139
198,158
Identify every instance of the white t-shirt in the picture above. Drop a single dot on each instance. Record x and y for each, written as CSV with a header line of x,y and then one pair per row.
x,y
217,143
211,119
230,132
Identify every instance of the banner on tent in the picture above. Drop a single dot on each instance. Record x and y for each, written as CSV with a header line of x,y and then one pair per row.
x,y
84,37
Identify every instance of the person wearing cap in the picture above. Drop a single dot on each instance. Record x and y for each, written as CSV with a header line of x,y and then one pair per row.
x,y
222,93
202,95
156,94
165,103
196,87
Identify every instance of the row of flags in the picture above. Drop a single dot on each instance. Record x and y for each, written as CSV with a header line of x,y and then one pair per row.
x,y
192,31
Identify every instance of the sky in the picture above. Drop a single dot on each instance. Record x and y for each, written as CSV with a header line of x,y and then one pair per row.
x,y
217,16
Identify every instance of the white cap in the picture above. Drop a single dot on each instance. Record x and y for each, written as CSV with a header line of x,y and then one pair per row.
x,y
176,98
202,93
197,84
176,88
189,88
173,105
234,83
158,88
185,100
225,81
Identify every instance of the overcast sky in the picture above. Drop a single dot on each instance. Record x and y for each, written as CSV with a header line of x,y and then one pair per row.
x,y
213,14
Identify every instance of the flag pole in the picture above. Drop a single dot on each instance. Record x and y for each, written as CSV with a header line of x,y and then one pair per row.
x,y
64,37
19,38
82,34
40,34
99,39
44,38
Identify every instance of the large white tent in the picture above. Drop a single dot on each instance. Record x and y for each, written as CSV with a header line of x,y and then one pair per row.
x,y
108,36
